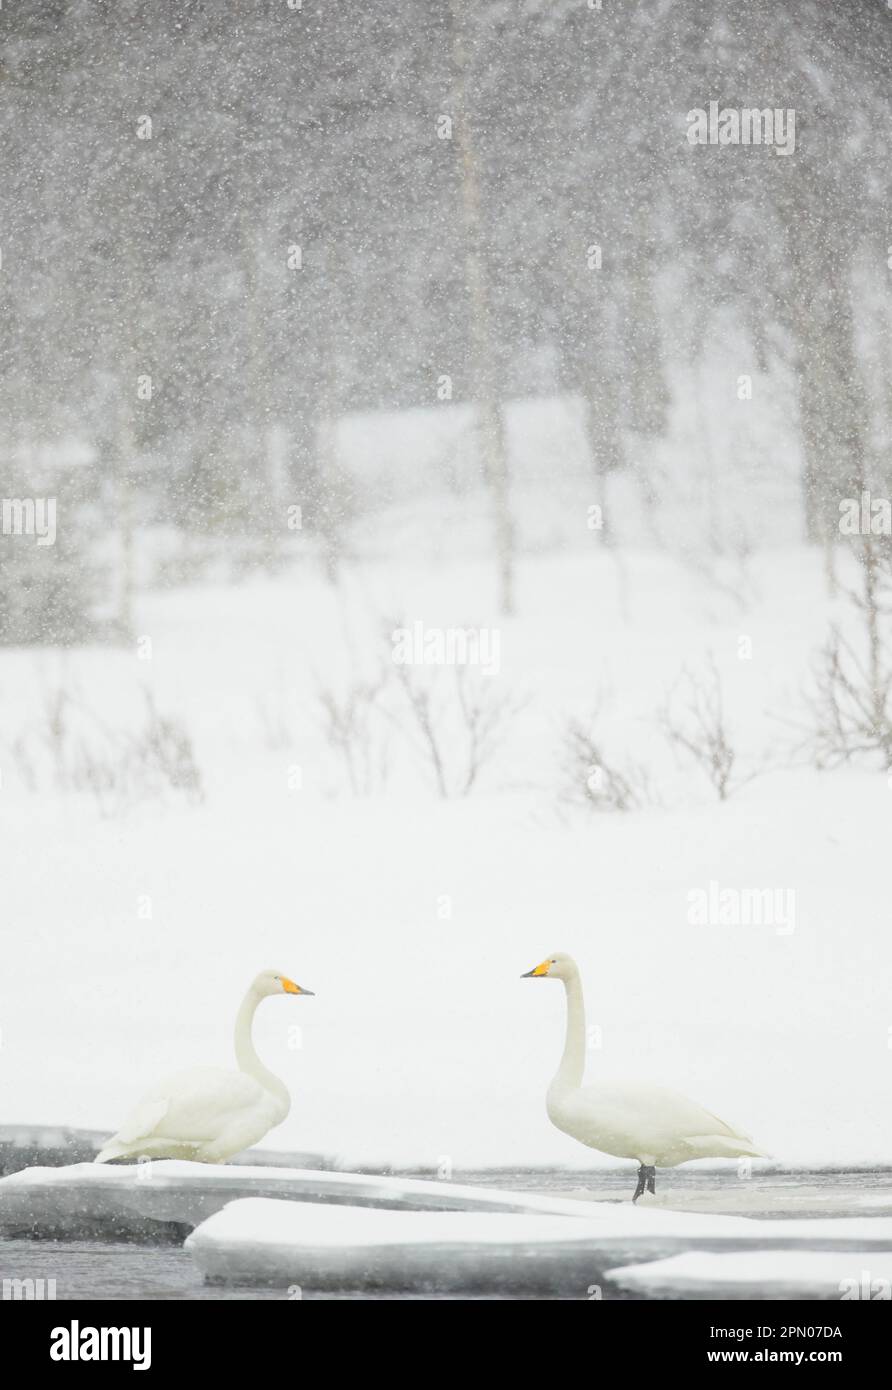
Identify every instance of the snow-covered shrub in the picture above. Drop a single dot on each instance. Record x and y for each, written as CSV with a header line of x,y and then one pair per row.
x,y
71,749
355,730
591,779
693,720
457,722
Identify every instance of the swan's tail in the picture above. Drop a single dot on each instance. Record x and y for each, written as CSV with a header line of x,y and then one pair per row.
x,y
111,1151
132,1139
728,1146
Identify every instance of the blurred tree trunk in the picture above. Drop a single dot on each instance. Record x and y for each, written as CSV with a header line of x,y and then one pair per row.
x,y
648,398
604,437
329,490
833,408
126,436
253,341
588,346
126,450
491,423
831,403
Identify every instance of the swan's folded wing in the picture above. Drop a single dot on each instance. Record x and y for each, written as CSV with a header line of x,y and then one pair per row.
x,y
680,1115
189,1106
195,1105
653,1117
706,1131
721,1129
142,1122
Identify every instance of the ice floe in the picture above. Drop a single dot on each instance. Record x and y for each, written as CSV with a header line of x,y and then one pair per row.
x,y
321,1246
166,1198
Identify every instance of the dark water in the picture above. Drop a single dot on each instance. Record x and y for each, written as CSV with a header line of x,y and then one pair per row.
x,y
93,1270
88,1270
768,1193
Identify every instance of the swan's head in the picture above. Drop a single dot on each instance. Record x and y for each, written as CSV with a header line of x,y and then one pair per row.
x,y
273,982
557,966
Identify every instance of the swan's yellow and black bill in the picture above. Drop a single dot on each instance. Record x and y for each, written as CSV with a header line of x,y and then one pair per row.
x,y
291,988
539,970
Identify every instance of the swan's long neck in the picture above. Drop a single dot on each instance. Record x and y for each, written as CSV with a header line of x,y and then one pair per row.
x,y
246,1055
569,1074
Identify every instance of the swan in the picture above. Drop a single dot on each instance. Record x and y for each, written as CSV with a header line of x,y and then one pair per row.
x,y
208,1114
630,1119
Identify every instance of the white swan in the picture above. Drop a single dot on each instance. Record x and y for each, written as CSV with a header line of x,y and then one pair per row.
x,y
630,1119
209,1114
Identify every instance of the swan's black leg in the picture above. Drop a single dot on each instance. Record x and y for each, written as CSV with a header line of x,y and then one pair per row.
x,y
647,1181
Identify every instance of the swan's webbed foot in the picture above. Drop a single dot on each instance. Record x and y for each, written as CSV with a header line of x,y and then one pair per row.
x,y
647,1181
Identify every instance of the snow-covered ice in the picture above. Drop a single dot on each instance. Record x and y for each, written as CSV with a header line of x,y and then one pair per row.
x,y
84,1199
324,1246
87,1200
762,1274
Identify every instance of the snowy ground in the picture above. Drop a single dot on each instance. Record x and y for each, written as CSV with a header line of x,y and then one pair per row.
x,y
422,1044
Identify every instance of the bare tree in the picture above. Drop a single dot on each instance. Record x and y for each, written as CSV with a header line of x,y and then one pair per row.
x,y
352,728
164,752
458,737
483,339
428,726
851,703
485,716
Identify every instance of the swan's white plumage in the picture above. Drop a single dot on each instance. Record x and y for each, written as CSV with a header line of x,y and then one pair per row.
x,y
195,1110
629,1119
207,1113
635,1119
